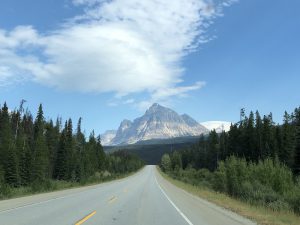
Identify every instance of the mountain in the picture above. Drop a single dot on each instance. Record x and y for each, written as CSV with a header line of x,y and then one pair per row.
x,y
158,122
108,136
219,126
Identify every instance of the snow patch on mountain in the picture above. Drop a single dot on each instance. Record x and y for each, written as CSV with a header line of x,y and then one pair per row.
x,y
219,126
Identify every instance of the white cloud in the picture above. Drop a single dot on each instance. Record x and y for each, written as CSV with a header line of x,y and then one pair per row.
x,y
119,46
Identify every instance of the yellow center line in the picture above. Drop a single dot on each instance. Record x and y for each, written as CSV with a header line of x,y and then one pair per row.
x,y
112,199
85,218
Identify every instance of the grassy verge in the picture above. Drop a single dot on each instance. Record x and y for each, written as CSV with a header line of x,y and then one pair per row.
x,y
55,185
261,215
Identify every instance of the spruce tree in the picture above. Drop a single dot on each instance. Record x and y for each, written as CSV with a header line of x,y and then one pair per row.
x,y
233,140
79,151
61,167
258,136
40,151
297,142
11,173
100,154
287,150
70,151
223,145
250,147
8,150
52,139
213,144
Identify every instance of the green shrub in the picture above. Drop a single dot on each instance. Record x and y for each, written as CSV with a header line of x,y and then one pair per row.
x,y
219,181
268,183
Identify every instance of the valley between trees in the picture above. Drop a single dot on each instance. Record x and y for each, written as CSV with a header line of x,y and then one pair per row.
x,y
257,162
38,155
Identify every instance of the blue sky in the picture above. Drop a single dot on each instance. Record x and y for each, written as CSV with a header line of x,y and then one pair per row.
x,y
106,61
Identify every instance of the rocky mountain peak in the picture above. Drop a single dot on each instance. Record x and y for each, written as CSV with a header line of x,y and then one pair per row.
x,y
156,108
158,122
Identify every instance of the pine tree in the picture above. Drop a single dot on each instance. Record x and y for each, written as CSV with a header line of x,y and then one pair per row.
x,y
79,151
70,151
258,136
24,155
266,137
223,145
250,147
25,165
40,161
297,142
5,136
100,154
52,139
287,149
213,145
11,172
8,150
233,140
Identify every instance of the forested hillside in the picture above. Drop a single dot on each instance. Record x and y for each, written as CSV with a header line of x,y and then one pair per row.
x,y
34,153
257,161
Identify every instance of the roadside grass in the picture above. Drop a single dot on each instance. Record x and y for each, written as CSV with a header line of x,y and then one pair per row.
x,y
57,185
259,214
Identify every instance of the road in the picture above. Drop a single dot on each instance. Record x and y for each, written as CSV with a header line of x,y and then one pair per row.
x,y
144,198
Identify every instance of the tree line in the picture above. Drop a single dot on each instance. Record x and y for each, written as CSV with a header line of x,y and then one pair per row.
x,y
256,160
34,151
253,138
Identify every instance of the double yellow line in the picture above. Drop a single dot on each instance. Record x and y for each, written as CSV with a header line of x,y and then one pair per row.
x,y
85,218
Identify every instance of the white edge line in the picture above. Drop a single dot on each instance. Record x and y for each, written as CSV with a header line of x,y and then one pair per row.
x,y
173,204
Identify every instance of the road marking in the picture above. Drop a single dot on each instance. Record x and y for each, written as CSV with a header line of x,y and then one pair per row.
x,y
125,190
85,218
112,199
173,204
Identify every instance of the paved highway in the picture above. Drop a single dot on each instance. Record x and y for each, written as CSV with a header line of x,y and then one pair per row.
x,y
141,199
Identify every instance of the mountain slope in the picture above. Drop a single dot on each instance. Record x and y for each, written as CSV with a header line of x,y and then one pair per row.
x,y
158,122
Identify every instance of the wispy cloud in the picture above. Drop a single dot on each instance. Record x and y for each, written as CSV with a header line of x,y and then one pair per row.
x,y
119,46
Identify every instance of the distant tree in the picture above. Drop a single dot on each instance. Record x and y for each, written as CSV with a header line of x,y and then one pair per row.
x,y
176,161
166,163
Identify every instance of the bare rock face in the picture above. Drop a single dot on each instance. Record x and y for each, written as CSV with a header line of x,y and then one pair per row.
x,y
158,122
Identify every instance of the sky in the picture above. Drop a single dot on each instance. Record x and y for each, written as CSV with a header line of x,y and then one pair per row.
x,y
106,61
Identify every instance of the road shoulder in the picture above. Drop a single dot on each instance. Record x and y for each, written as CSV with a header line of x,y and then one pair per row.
x,y
259,214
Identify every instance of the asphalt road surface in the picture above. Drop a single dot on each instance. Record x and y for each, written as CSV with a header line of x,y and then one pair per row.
x,y
144,198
